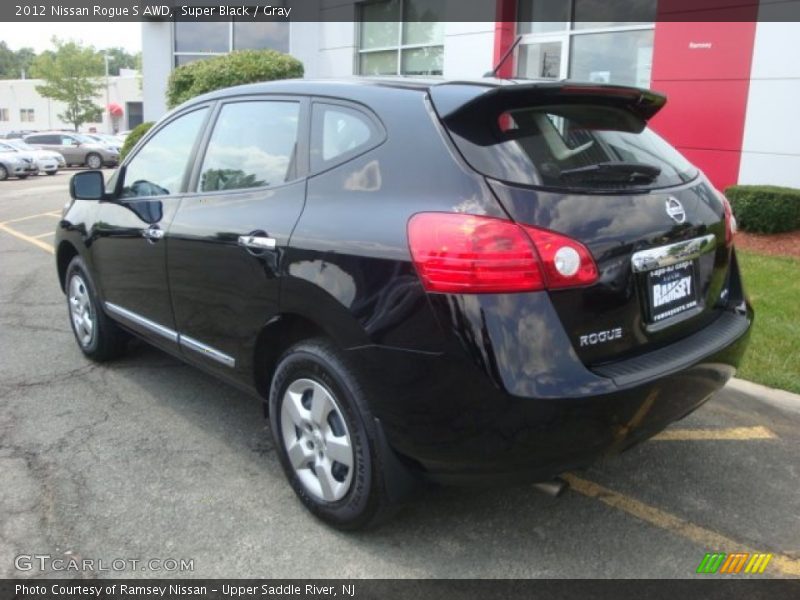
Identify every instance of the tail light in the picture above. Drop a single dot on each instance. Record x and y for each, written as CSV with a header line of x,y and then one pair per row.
x,y
469,254
730,220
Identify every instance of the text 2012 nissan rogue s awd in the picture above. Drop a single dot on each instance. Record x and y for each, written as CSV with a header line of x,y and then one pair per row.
x,y
456,280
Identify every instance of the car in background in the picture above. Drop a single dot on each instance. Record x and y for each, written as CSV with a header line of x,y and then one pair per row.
x,y
15,164
77,149
13,135
109,140
47,161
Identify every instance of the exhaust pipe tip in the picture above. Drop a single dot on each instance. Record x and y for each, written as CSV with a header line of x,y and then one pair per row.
x,y
555,487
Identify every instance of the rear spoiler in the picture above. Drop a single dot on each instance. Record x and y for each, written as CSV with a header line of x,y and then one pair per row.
x,y
460,104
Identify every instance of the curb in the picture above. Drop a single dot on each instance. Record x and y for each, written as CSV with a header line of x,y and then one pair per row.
x,y
781,397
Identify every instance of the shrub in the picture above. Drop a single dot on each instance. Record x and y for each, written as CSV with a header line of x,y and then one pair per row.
x,y
236,68
765,208
134,136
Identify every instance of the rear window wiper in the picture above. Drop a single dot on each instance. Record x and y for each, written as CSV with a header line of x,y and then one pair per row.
x,y
613,172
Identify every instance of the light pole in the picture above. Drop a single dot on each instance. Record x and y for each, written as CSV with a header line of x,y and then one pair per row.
x,y
109,128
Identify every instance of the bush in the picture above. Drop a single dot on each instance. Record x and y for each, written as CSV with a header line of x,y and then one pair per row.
x,y
134,136
765,208
236,68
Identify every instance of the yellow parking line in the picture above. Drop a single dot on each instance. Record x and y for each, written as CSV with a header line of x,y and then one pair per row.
x,y
47,214
734,433
708,539
43,235
27,238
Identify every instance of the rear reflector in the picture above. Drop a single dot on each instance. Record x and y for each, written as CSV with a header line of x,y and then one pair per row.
x,y
470,254
730,220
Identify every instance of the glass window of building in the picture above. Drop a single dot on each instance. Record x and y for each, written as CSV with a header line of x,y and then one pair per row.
x,y
401,37
602,41
196,40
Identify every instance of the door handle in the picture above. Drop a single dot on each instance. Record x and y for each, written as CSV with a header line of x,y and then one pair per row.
x,y
153,233
257,242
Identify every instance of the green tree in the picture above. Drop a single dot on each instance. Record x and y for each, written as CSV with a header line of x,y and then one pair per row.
x,y
71,75
119,58
12,63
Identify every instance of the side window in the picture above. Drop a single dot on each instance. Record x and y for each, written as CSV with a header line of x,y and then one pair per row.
x,y
338,133
158,168
68,140
254,144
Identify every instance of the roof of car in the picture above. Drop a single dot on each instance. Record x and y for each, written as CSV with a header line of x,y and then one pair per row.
x,y
342,85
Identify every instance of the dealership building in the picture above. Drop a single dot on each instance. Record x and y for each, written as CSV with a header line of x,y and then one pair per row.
x,y
731,75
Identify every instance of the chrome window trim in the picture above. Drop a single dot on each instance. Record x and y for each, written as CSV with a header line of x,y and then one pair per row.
x,y
664,256
164,332
192,344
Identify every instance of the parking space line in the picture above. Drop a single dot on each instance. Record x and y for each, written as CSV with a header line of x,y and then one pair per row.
x,y
46,214
734,433
42,235
708,539
27,238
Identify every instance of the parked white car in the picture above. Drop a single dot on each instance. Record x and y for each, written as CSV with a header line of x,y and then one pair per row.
x,y
46,160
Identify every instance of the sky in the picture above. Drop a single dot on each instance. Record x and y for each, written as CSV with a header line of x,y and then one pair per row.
x,y
99,35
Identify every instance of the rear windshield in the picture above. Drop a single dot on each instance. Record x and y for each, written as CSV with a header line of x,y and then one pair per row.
x,y
573,146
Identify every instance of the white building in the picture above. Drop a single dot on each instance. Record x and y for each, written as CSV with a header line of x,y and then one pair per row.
x,y
22,108
732,85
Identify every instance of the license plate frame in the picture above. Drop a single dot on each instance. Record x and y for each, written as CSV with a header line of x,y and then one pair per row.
x,y
671,291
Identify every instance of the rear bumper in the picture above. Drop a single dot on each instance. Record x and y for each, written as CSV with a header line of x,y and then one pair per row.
x,y
458,425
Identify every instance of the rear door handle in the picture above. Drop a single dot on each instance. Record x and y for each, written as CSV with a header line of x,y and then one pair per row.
x,y
153,233
257,242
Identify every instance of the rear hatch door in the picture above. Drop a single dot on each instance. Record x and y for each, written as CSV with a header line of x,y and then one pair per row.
x,y
580,160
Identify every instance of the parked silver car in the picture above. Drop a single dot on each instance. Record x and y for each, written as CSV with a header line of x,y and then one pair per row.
x,y
16,164
77,148
47,161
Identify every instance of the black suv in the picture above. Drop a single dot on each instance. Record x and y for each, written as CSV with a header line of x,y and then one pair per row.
x,y
458,281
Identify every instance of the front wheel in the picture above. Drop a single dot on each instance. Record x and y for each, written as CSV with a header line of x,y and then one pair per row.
x,y
98,337
51,172
94,161
3,173
326,438
25,176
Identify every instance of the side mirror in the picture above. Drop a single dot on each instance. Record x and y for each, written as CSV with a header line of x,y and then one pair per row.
x,y
87,185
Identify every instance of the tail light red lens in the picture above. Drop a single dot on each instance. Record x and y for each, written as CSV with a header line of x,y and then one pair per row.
x,y
470,254
730,220
567,263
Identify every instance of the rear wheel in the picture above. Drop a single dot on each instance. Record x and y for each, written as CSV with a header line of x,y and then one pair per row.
x,y
326,438
94,161
3,173
98,337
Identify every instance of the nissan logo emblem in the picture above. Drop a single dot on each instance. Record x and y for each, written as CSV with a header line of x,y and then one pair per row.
x,y
675,210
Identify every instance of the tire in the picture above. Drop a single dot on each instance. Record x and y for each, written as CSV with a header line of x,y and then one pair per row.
x,y
22,176
51,172
103,340
94,161
357,496
3,173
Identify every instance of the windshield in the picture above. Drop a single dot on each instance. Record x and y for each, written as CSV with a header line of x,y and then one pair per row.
x,y
572,146
84,139
21,145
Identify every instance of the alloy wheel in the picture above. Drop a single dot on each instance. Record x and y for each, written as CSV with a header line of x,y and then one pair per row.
x,y
317,441
81,310
94,161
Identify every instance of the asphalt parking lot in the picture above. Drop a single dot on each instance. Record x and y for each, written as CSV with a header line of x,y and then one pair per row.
x,y
147,458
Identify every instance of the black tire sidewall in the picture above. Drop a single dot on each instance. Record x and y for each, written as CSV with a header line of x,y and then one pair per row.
x,y
3,173
315,361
